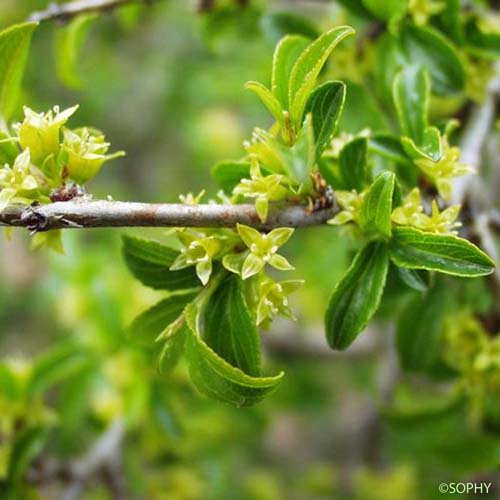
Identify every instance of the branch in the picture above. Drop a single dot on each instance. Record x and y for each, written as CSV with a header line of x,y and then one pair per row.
x,y
86,214
66,11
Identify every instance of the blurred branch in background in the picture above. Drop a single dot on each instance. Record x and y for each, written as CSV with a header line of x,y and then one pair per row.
x,y
86,214
68,10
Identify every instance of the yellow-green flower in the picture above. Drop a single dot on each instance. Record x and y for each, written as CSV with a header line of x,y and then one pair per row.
x,y
273,298
411,213
40,132
350,202
442,171
263,188
18,182
198,251
263,249
86,153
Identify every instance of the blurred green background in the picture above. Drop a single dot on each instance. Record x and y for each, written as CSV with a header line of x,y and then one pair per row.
x,y
165,83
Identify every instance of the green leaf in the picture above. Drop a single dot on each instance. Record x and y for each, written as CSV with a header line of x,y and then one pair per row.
x,y
229,329
325,104
411,93
68,42
387,10
481,44
149,261
357,296
413,279
357,8
377,206
56,366
301,156
216,378
279,24
419,330
228,173
27,445
353,164
307,68
428,48
146,327
14,47
389,146
444,253
286,54
266,96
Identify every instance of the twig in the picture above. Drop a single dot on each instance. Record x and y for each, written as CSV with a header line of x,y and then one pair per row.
x,y
87,214
68,10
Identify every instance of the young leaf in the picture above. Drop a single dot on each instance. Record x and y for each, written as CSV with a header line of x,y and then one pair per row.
x,y
427,47
357,296
412,278
286,54
444,253
266,96
307,68
419,330
229,329
216,378
228,173
68,42
150,261
146,327
411,93
325,105
353,164
14,47
377,205
301,155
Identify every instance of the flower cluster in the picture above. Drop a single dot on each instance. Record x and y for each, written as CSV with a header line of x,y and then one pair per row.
x,y
49,156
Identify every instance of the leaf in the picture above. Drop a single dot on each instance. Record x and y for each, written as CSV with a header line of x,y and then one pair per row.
x,y
27,445
419,330
229,329
377,206
216,378
278,24
411,92
149,261
14,46
428,48
146,327
228,173
325,105
301,155
353,164
266,96
388,9
412,278
444,253
8,149
357,8
307,68
68,42
389,146
56,366
481,44
286,54
357,296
